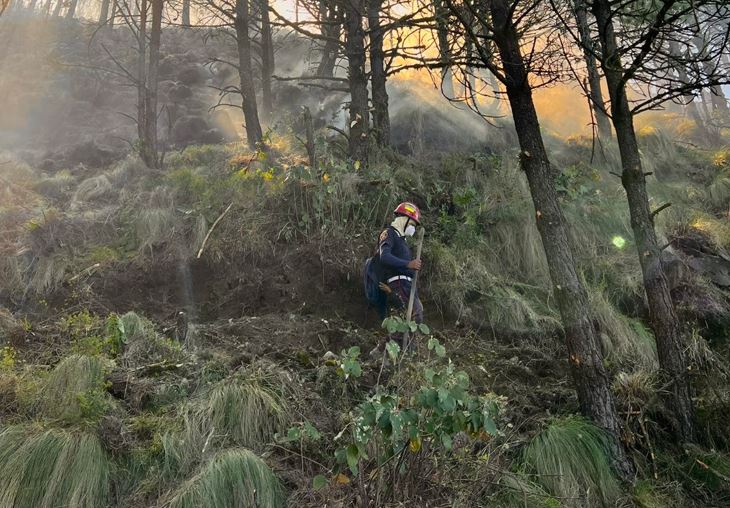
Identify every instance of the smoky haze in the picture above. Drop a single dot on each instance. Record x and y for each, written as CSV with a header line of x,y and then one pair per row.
x,y
66,99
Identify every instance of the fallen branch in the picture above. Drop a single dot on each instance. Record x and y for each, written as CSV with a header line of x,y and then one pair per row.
x,y
205,240
84,272
659,210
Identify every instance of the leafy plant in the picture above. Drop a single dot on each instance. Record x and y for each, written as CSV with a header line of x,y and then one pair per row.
x,y
396,324
441,408
7,358
349,366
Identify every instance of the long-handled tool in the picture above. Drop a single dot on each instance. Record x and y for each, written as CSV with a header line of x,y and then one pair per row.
x,y
412,297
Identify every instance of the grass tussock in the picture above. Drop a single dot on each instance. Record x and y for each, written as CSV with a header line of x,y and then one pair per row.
x,y
155,219
626,341
72,387
51,469
232,478
570,458
246,412
143,345
93,188
518,491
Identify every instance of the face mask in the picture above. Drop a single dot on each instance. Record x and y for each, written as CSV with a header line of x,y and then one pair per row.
x,y
410,230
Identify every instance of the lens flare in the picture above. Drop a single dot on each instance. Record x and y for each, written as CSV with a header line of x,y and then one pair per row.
x,y
618,241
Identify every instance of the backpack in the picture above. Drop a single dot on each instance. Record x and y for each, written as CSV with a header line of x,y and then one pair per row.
x,y
372,276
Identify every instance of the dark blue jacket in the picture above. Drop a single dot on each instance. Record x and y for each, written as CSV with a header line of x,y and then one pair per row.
x,y
394,254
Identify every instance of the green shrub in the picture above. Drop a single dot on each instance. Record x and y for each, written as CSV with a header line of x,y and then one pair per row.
x,y
51,469
571,459
232,478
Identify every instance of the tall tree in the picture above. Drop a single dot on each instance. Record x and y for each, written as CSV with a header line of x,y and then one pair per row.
x,y
359,112
331,27
185,13
148,60
267,58
597,104
241,22
71,13
104,12
441,16
647,35
378,77
584,350
150,145
708,132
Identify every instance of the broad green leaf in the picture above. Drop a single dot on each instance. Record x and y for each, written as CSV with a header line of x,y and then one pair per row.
x,y
489,426
393,350
353,455
440,351
424,329
311,431
319,482
447,441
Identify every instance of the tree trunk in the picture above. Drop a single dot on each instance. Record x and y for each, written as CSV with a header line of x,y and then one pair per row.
x,y
254,134
147,74
185,14
442,35
309,133
708,133
381,117
57,10
72,9
359,122
104,12
584,350
331,30
150,140
267,58
598,106
142,81
664,321
717,96
113,16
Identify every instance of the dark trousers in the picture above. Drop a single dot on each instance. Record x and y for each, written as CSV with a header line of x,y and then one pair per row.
x,y
401,292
